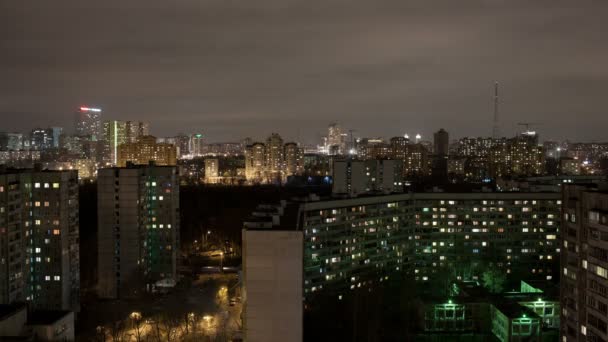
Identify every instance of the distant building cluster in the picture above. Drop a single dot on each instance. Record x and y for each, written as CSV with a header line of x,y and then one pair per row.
x,y
96,143
273,161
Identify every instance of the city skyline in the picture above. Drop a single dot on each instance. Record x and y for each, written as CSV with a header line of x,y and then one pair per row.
x,y
385,68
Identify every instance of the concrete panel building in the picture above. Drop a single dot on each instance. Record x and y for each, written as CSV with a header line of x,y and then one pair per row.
x,y
584,263
273,277
39,244
138,230
356,243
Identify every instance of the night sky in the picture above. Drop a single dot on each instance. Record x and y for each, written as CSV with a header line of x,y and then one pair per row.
x,y
233,69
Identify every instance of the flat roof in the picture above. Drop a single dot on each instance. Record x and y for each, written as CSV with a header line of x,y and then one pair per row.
x,y
45,317
7,310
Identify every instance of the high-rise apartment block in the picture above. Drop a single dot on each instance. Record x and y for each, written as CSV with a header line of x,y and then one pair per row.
x,y
196,144
499,158
146,150
212,170
584,263
355,177
138,230
336,140
39,239
346,244
274,161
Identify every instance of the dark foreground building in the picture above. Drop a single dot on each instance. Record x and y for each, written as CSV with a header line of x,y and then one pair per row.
x,y
303,249
584,262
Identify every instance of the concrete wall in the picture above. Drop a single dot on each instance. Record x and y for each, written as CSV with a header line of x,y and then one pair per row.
x,y
14,324
272,279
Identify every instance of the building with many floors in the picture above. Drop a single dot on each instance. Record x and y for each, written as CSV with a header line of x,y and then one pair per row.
x,y
138,230
338,245
145,150
39,238
584,263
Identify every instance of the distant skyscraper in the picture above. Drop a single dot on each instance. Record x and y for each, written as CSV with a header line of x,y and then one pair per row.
x,y
275,158
11,141
196,144
136,129
336,140
116,133
211,170
87,123
138,239
255,162
440,161
145,150
294,159
441,142
39,139
40,249
54,135
183,144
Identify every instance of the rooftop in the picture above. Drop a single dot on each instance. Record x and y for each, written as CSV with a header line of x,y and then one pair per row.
x,y
45,317
7,310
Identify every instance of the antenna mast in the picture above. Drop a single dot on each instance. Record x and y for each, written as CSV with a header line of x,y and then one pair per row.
x,y
495,129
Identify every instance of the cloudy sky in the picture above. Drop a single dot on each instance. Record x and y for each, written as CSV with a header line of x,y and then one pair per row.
x,y
236,68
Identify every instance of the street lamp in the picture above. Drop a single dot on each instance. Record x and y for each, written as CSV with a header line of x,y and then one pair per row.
x,y
135,315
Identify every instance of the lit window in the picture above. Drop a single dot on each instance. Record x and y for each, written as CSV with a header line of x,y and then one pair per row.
x,y
47,185
57,278
55,185
47,278
56,232
37,185
37,249
36,204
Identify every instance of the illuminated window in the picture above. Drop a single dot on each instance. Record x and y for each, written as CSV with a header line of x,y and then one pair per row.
x,y
55,185
37,185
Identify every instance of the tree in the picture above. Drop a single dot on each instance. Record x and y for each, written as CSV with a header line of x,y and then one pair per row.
x,y
493,280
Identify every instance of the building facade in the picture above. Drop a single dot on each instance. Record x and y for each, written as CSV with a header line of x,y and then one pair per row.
x,y
273,161
357,242
584,262
138,230
117,133
145,150
39,244
87,123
